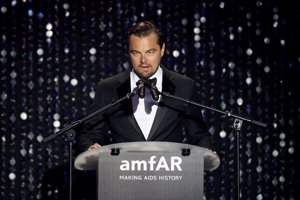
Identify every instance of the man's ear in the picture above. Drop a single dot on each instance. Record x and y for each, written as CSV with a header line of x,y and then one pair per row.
x,y
162,52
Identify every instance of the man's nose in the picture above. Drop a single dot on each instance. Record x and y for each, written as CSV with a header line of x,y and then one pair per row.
x,y
143,59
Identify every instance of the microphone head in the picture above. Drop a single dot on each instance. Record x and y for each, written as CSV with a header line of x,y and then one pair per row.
x,y
154,91
141,88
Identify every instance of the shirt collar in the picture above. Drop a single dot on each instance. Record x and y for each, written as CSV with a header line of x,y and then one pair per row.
x,y
158,75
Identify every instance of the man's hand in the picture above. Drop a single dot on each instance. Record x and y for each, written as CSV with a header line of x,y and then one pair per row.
x,y
94,146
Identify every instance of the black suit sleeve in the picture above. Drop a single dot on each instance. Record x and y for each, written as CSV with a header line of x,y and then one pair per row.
x,y
95,130
196,129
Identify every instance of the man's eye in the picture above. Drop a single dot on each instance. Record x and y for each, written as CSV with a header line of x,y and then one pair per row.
x,y
134,53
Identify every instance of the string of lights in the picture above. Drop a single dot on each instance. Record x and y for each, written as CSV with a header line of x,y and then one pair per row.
x,y
240,53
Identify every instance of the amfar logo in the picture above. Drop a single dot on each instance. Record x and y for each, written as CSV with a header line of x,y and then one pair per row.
x,y
153,164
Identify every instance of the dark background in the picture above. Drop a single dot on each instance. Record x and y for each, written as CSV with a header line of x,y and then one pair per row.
x,y
244,56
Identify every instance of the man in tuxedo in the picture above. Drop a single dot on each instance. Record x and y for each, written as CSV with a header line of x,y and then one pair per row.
x,y
145,117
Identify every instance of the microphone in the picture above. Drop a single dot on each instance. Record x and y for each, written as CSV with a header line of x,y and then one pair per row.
x,y
141,88
154,91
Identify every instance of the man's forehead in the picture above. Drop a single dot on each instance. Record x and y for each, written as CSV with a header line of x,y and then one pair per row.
x,y
151,35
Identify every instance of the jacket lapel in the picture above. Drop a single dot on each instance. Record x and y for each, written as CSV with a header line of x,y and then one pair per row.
x,y
122,91
168,87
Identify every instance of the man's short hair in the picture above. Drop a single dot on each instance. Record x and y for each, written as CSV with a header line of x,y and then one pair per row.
x,y
145,28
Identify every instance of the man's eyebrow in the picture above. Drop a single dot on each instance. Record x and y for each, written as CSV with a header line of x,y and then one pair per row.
x,y
153,49
134,51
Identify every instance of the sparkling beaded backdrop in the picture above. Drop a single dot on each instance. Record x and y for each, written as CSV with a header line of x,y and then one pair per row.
x,y
241,53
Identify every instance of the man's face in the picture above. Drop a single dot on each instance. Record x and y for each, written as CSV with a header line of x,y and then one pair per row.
x,y
145,54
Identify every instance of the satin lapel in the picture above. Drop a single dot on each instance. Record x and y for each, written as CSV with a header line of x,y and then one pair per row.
x,y
160,114
122,91
169,87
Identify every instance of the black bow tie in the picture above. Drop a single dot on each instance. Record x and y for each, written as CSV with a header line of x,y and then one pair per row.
x,y
150,83
147,83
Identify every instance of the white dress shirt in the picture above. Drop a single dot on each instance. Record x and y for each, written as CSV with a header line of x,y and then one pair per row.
x,y
145,109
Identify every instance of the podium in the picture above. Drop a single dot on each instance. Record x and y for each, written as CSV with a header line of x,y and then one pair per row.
x,y
149,170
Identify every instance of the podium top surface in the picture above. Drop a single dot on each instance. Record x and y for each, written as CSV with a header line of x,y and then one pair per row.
x,y
88,160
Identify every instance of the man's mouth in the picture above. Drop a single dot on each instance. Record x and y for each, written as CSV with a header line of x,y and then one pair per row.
x,y
144,66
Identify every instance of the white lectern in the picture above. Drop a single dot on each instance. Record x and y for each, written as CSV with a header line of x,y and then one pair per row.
x,y
149,170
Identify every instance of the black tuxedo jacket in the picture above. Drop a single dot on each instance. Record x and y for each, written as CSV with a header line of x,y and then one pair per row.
x,y
174,121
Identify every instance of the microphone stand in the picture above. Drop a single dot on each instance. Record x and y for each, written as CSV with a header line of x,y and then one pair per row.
x,y
237,125
69,130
